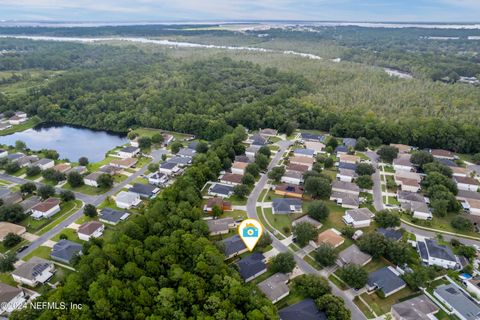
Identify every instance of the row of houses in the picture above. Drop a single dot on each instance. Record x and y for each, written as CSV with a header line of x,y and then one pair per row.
x,y
18,117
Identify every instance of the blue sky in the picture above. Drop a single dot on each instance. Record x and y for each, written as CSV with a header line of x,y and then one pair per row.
x,y
170,10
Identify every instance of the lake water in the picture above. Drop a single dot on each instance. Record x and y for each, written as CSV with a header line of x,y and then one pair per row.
x,y
70,142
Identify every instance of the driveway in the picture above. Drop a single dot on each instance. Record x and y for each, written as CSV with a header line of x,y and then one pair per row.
x,y
377,184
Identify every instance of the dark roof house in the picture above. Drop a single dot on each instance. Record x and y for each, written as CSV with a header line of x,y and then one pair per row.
x,y
303,310
252,266
65,250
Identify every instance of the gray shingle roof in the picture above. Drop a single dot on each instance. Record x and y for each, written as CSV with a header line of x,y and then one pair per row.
x,y
111,215
251,265
130,149
462,303
417,308
65,250
283,205
438,251
390,233
7,293
222,189
304,310
32,268
232,245
386,280
349,166
143,189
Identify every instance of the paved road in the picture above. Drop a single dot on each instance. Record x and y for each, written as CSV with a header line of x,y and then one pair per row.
x,y
377,184
87,199
280,247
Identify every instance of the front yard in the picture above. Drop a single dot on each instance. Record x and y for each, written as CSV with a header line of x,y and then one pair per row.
x,y
43,225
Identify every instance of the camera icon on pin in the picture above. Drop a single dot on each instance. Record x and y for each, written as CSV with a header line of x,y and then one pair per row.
x,y
250,231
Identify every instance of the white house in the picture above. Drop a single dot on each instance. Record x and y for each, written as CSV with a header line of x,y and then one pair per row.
x,y
434,254
318,147
128,152
12,298
466,183
402,162
419,209
44,163
16,120
292,177
91,229
3,153
127,200
239,167
34,271
458,301
91,179
358,218
46,209
473,285
346,175
472,206
169,168
157,178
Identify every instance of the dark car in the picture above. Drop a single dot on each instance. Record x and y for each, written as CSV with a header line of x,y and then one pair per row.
x,y
22,249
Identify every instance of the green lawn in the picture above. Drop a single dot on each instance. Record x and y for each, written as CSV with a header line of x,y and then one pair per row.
x,y
30,123
140,180
312,262
149,132
119,178
338,282
363,308
70,233
86,189
236,201
42,252
43,225
280,222
388,169
265,224
92,167
7,279
20,172
376,264
84,219
235,214
383,305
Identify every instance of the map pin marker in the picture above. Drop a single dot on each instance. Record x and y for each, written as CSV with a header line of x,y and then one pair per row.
x,y
250,230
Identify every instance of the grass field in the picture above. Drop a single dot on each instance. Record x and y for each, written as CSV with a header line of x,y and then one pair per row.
x,y
383,305
70,233
43,225
86,189
281,222
42,252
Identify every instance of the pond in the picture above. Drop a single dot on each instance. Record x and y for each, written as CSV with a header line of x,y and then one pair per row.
x,y
69,141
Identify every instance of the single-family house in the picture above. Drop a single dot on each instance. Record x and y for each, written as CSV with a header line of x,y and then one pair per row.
x,y
8,227
472,206
305,136
402,174
348,158
128,152
27,161
220,226
292,177
124,163
258,140
29,203
358,218
16,120
473,285
306,161
348,166
306,219
390,233
458,301
112,216
275,287
305,310
252,266
346,187
251,151
46,209
473,169
346,200
109,169
10,197
442,154
157,178
267,132
90,229
79,169
289,190
463,195
231,178
386,279
62,167
33,272
221,190
331,237
127,200
11,298
353,255
402,162
434,254
20,114
91,179
346,175
407,184
340,150
350,142
459,172
233,246
145,191
169,168
297,168
419,209
244,158
304,153
14,157
447,162
408,196
418,308
65,250
466,183
317,147
3,153
218,202
286,205
44,164
186,152
5,126
239,168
